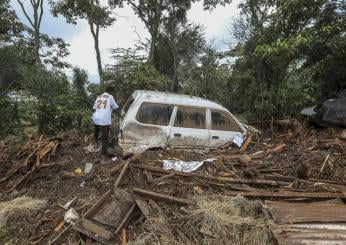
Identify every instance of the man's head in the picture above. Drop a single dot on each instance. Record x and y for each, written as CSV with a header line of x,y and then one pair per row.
x,y
109,89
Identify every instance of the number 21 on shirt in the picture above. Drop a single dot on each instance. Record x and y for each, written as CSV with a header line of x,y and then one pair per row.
x,y
102,103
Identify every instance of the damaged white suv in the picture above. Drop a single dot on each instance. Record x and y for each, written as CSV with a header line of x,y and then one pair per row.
x,y
158,120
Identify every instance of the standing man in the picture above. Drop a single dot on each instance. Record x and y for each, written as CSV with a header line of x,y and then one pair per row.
x,y
102,118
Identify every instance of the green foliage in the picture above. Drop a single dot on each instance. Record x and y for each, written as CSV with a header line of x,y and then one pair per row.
x,y
9,122
79,82
57,107
10,26
92,11
177,51
130,73
290,55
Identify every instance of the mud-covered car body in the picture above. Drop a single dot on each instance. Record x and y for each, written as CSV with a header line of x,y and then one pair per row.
x,y
157,120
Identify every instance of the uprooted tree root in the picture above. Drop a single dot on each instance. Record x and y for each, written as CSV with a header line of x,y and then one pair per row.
x,y
214,219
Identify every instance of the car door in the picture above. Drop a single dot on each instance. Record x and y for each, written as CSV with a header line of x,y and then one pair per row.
x,y
223,127
148,128
189,129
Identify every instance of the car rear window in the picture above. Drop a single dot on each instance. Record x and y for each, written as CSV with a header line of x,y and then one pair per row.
x,y
222,121
155,114
190,117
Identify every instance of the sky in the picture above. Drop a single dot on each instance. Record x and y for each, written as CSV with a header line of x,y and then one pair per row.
x,y
126,31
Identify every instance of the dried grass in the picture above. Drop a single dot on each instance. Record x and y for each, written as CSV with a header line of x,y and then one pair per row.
x,y
156,231
19,206
215,219
223,220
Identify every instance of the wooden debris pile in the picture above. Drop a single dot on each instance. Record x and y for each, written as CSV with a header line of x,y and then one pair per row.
x,y
137,200
29,159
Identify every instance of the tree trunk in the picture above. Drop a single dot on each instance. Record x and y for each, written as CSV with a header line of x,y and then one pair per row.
x,y
99,63
37,47
152,48
95,34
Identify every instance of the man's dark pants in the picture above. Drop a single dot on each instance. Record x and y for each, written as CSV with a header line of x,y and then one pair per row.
x,y
105,136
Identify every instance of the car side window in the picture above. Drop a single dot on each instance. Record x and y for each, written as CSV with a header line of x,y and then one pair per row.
x,y
155,114
222,121
190,117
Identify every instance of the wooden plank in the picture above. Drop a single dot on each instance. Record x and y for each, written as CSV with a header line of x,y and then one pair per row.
x,y
123,237
209,177
125,219
97,205
81,229
100,231
287,194
162,178
116,169
144,207
310,233
123,170
287,213
162,197
246,144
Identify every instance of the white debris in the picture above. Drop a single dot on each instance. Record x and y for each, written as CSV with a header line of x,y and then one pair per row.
x,y
238,140
114,159
68,204
180,165
88,167
91,148
71,216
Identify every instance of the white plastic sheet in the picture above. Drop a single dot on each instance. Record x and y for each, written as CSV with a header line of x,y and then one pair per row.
x,y
179,165
238,140
88,167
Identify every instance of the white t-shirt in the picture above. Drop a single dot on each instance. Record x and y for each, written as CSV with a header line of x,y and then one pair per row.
x,y
103,106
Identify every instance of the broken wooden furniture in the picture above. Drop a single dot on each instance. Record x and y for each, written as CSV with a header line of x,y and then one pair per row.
x,y
107,217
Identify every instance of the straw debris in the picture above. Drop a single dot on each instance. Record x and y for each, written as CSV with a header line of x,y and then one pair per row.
x,y
156,231
221,219
19,206
215,219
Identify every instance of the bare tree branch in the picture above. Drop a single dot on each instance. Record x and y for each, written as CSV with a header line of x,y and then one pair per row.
x,y
41,14
26,14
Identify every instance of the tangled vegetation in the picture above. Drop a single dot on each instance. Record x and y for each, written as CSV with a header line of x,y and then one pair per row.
x,y
284,59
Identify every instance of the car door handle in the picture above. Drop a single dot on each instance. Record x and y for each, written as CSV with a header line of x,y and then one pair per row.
x,y
215,137
177,135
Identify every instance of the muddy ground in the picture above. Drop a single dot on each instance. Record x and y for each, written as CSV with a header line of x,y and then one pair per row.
x,y
293,155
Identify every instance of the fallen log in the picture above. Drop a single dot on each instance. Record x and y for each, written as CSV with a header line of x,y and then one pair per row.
x,y
209,177
162,197
287,194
